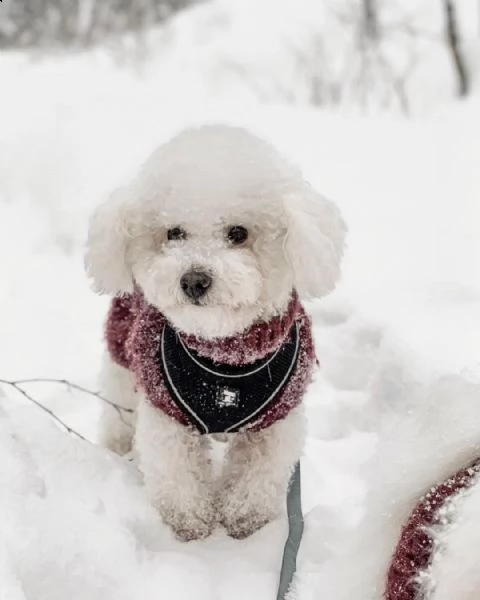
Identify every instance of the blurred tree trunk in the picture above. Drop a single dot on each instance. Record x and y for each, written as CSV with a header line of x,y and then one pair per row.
x,y
453,42
85,12
370,19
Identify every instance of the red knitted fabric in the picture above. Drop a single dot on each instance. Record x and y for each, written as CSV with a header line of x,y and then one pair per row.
x,y
249,346
414,551
120,320
133,334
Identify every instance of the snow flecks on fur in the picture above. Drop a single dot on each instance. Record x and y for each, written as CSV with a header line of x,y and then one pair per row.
x,y
251,345
119,322
205,180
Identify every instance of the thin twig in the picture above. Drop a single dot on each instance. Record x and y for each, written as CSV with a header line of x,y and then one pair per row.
x,y
19,389
75,386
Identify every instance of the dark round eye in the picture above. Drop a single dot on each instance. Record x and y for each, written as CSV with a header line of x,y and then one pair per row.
x,y
237,234
176,233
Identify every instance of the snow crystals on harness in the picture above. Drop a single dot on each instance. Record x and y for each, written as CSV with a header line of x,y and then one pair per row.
x,y
222,398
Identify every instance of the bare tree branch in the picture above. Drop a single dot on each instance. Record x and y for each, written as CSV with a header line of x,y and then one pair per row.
x,y
52,415
18,386
75,386
453,41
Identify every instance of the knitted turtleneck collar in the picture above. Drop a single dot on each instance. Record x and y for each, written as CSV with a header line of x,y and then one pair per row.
x,y
256,342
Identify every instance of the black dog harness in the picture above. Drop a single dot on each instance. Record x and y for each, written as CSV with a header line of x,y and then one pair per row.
x,y
219,398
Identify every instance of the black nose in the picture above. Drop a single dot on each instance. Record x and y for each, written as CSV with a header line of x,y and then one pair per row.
x,y
195,284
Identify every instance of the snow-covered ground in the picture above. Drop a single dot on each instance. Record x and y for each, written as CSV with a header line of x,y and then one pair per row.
x,y
75,522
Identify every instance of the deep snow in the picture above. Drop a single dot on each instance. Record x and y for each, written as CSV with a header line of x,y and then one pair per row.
x,y
75,523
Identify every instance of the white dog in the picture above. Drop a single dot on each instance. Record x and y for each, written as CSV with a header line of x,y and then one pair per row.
x,y
207,253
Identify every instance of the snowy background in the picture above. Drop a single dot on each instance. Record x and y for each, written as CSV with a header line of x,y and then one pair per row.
x,y
374,118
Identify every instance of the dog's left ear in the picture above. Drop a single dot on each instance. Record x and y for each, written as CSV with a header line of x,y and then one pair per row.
x,y
314,241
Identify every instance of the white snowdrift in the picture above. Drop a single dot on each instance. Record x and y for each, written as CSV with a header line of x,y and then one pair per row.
x,y
75,524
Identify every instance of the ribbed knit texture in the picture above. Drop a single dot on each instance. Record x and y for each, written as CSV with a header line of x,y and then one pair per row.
x,y
133,335
415,548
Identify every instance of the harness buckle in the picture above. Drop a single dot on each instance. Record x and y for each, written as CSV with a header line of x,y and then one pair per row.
x,y
227,396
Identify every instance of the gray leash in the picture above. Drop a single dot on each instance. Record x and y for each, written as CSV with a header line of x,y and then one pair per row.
x,y
295,531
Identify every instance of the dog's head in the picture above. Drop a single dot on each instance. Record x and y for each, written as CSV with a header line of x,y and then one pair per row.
x,y
216,229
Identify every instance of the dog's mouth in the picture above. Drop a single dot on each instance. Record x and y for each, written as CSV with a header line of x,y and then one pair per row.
x,y
206,304
195,284
198,289
202,302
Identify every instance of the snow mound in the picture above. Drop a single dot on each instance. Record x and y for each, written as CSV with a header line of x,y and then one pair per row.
x,y
76,524
75,519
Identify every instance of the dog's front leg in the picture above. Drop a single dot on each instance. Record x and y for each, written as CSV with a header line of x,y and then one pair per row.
x,y
176,466
118,385
257,473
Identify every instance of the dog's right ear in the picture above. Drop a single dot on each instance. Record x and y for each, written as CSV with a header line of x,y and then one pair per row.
x,y
108,234
314,243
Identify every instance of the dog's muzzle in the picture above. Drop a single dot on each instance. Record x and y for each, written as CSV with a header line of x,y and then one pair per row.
x,y
195,284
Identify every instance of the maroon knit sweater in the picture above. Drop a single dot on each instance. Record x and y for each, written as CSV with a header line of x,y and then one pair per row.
x,y
133,333
415,548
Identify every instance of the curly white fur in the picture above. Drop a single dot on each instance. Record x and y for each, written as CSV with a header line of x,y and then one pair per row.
x,y
204,181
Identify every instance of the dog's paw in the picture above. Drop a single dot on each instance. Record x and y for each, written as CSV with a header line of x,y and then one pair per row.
x,y
116,437
190,533
121,445
188,527
241,526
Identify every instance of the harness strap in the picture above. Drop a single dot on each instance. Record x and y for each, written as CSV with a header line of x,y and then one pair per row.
x,y
295,532
225,398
